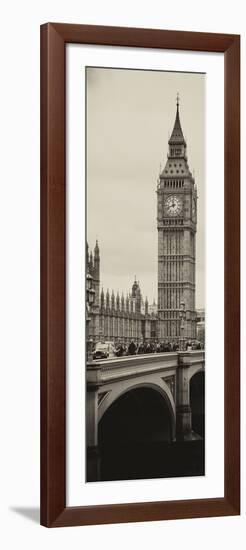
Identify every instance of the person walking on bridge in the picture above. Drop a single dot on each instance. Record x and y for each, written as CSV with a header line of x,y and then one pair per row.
x,y
132,348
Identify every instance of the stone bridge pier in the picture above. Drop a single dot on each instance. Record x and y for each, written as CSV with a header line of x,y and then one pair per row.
x,y
167,374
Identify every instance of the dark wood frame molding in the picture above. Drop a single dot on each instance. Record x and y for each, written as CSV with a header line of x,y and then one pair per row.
x,y
54,38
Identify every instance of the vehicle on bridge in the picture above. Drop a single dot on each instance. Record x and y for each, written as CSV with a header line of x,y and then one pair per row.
x,y
104,350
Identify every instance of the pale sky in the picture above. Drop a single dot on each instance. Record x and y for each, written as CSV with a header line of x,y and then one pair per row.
x,y
130,115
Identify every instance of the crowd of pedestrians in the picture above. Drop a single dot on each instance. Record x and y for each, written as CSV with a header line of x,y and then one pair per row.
x,y
153,347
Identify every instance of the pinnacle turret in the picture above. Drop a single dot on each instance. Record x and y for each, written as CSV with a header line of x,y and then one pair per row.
x,y
177,137
96,250
102,298
176,165
107,299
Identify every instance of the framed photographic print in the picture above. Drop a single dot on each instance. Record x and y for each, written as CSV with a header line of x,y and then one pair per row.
x,y
140,290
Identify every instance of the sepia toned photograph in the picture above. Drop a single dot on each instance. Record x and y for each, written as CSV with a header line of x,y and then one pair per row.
x,y
145,274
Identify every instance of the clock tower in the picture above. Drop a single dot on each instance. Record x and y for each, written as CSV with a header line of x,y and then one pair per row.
x,y
176,224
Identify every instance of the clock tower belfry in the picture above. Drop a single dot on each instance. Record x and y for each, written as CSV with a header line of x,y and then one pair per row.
x,y
176,224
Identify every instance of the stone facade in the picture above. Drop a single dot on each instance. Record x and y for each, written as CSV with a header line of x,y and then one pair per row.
x,y
116,318
200,325
176,224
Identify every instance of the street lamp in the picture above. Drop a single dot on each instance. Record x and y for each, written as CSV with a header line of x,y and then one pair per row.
x,y
90,298
182,315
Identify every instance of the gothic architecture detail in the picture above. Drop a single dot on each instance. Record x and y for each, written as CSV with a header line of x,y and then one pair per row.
x,y
176,224
116,318
170,381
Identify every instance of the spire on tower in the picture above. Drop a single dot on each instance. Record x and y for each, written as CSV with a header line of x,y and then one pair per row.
x,y
91,262
97,262
177,137
102,298
112,300
96,250
135,287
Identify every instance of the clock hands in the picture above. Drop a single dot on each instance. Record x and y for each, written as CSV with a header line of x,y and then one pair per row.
x,y
173,205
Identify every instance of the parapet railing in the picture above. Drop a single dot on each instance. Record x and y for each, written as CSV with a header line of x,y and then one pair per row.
x,y
141,364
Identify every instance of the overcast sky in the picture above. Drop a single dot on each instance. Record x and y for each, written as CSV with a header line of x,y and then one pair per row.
x,y
130,115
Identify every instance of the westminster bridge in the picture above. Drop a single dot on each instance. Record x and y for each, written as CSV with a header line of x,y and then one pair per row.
x,y
142,398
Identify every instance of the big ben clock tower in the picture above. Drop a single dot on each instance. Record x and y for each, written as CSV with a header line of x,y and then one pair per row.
x,y
176,224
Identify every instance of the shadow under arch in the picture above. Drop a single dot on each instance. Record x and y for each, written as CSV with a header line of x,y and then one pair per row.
x,y
197,402
163,390
132,432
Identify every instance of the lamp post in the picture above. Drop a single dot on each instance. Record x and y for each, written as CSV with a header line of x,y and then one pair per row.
x,y
182,315
90,297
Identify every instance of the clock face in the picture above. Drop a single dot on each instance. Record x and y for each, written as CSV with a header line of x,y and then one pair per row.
x,y
173,205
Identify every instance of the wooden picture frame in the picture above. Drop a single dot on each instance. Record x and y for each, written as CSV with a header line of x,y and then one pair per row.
x,y
54,512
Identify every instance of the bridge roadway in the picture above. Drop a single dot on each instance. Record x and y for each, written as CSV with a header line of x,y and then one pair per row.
x,y
167,373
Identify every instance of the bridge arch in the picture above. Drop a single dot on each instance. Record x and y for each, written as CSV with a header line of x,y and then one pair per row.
x,y
197,401
112,395
135,434
195,369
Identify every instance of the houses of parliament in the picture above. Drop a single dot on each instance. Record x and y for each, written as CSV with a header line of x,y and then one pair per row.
x,y
118,318
125,318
